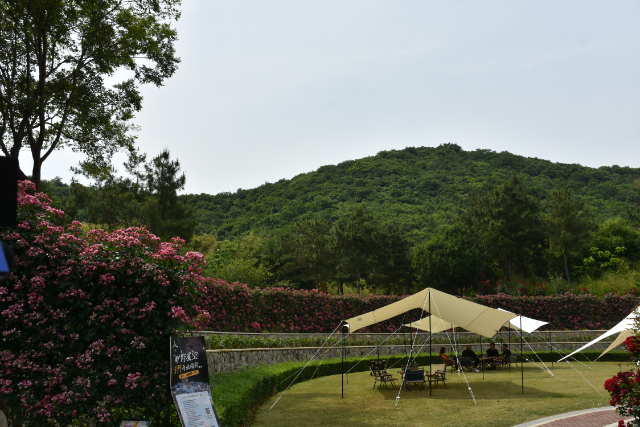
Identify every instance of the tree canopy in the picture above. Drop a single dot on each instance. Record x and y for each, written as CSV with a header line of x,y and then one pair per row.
x,y
55,57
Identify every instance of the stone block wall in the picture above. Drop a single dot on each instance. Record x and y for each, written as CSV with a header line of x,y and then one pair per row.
x,y
422,336
229,360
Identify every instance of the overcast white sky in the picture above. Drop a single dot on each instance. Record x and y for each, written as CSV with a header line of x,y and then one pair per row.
x,y
270,89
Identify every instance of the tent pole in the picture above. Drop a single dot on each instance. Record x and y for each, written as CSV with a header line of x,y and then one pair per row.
x,y
550,348
521,353
343,362
404,339
509,332
455,343
430,372
481,353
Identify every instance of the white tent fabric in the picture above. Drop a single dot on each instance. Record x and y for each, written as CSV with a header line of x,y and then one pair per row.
x,y
471,316
528,324
624,325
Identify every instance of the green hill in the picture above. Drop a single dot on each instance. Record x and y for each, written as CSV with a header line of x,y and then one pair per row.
x,y
416,188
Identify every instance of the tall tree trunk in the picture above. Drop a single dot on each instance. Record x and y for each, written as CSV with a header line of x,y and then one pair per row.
x,y
341,287
358,283
317,281
566,269
36,171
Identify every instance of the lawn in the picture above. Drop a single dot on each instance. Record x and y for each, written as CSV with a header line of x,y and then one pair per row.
x,y
499,396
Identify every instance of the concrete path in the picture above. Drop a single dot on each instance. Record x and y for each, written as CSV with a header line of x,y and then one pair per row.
x,y
597,417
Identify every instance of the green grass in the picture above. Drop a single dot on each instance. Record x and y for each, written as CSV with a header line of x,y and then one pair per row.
x,y
500,401
237,394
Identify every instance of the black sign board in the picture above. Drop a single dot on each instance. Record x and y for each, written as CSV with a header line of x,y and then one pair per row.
x,y
190,383
9,169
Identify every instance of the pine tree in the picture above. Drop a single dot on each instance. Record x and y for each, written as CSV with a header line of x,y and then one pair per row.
x,y
568,224
166,215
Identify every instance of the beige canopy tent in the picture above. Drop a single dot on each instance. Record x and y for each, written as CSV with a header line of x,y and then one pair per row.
x,y
437,325
447,309
618,341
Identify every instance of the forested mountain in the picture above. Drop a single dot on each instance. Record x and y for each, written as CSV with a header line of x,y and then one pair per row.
x,y
465,221
415,188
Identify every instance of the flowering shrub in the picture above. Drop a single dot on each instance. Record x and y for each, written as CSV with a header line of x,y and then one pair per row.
x,y
235,307
85,321
624,387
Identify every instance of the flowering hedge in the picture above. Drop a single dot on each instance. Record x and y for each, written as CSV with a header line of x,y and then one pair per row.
x,y
567,311
85,321
235,307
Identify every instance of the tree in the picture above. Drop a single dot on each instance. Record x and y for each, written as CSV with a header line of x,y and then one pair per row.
x,y
617,233
634,213
355,243
568,225
167,215
54,56
392,270
240,261
447,261
311,249
504,224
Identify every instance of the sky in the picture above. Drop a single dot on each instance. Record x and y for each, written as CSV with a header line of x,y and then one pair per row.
x,y
270,89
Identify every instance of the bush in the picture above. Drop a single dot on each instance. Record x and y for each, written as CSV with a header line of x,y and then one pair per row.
x,y
85,321
624,387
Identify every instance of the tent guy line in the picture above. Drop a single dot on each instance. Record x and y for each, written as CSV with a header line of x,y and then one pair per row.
x,y
455,349
307,364
413,340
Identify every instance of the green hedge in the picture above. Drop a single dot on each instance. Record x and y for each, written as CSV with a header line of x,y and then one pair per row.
x,y
235,393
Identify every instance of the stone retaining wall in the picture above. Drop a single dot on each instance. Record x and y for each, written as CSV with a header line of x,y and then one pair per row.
x,y
440,335
229,360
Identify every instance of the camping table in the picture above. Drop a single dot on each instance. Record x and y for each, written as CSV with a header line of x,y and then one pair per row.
x,y
487,362
427,376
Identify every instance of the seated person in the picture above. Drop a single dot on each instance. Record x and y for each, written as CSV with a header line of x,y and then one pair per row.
x,y
506,353
468,352
492,353
447,361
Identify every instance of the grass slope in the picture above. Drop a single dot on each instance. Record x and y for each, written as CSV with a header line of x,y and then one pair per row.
x,y
500,400
414,187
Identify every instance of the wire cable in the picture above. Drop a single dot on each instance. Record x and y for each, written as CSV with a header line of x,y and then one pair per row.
x,y
456,355
307,364
413,340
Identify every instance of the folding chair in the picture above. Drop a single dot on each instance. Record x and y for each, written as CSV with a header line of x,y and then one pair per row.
x,y
414,377
465,363
502,362
439,374
383,376
514,359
